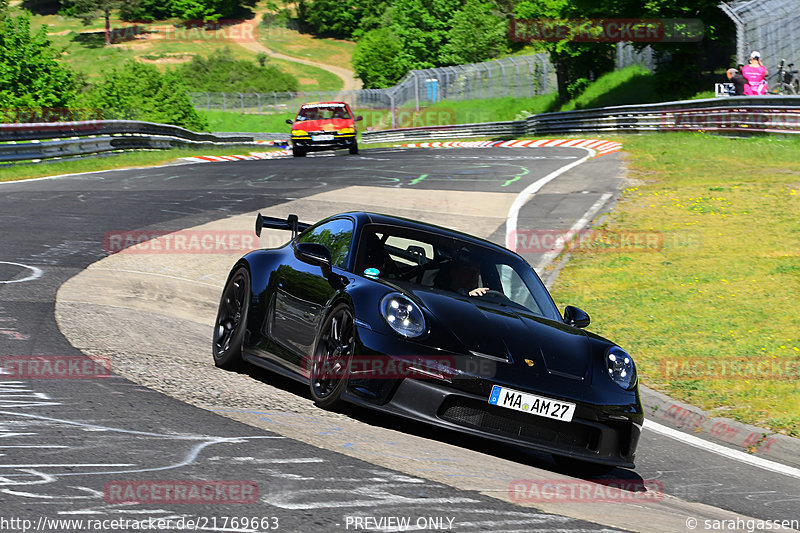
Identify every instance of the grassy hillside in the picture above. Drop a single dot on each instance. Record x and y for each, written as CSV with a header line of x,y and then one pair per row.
x,y
166,43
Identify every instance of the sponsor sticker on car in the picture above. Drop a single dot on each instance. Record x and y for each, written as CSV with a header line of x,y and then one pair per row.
x,y
531,403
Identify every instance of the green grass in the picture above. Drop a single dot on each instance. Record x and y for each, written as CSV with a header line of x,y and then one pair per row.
x,y
119,160
335,52
631,85
310,78
490,110
84,50
724,286
228,121
444,112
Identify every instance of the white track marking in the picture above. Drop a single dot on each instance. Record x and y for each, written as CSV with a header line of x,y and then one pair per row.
x,y
562,240
742,457
35,272
523,197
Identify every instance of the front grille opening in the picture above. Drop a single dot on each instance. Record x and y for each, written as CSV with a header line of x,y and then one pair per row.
x,y
476,414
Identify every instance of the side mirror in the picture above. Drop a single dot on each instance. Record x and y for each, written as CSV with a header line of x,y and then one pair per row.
x,y
289,121
576,317
313,253
359,117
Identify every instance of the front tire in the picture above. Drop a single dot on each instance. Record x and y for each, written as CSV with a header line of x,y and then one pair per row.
x,y
232,321
354,148
333,352
298,152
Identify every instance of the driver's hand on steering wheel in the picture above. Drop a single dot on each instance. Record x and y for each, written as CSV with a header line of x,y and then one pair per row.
x,y
480,291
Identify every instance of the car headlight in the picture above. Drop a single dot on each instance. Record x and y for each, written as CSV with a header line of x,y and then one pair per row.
x,y
402,315
347,131
620,367
299,133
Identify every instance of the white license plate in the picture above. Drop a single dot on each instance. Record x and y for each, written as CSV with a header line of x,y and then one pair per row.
x,y
322,137
530,403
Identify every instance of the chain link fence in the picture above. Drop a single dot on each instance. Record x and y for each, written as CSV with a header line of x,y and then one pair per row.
x,y
627,55
770,26
520,77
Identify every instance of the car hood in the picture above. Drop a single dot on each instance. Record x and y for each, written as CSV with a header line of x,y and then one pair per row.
x,y
330,124
509,333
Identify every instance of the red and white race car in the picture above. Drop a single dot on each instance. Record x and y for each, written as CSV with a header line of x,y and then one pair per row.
x,y
324,126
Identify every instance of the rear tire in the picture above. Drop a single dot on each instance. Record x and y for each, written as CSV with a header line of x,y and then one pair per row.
x,y
232,321
333,352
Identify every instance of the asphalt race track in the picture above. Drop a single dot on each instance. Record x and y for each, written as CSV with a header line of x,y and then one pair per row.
x,y
167,414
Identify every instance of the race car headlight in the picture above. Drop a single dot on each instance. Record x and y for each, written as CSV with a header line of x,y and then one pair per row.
x,y
402,315
299,133
620,367
347,131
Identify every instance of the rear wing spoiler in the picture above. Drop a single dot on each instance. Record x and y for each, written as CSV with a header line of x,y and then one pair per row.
x,y
290,223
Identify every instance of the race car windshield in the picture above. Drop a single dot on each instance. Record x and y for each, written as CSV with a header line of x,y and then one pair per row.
x,y
419,259
323,113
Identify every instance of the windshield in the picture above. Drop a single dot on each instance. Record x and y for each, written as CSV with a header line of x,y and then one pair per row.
x,y
443,263
323,112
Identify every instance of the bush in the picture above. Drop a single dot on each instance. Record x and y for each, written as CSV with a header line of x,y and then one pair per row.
x,y
31,76
221,72
136,91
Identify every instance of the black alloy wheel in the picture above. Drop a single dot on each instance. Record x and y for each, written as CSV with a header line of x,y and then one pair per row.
x,y
332,356
231,320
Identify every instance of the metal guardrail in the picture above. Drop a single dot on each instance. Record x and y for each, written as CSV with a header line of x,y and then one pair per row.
x,y
488,129
34,141
53,130
740,114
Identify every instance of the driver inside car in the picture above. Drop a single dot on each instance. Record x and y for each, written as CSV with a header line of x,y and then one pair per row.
x,y
464,277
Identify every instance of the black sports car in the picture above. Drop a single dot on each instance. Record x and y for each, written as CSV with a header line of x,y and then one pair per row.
x,y
434,325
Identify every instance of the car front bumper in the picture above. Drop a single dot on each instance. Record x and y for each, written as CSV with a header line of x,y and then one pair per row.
x,y
599,433
310,145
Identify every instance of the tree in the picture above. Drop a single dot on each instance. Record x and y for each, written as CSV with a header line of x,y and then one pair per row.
x,y
574,62
478,33
343,19
680,75
329,18
136,91
31,77
146,10
377,60
422,27
89,10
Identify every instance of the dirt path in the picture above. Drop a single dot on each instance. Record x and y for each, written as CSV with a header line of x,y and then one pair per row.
x,y
248,28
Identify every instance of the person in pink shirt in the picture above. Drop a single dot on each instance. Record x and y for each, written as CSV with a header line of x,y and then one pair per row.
x,y
755,73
